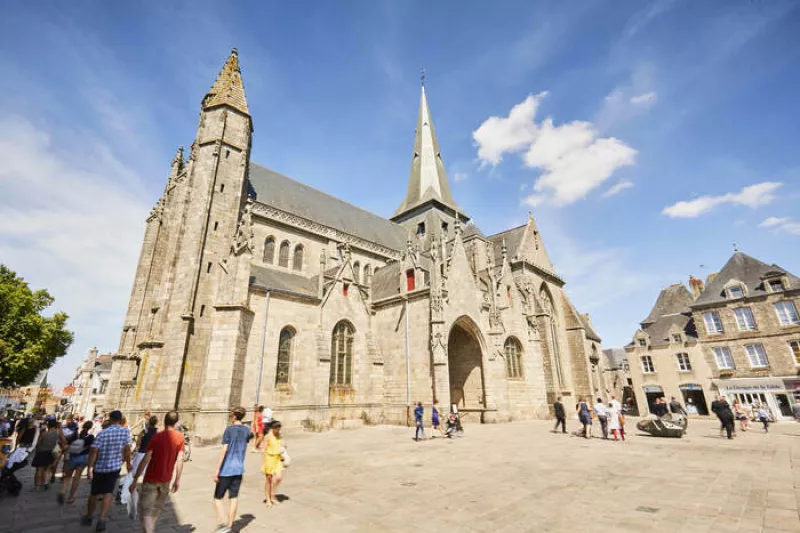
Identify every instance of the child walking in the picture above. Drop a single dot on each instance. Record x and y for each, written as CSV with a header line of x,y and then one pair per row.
x,y
273,465
435,422
419,413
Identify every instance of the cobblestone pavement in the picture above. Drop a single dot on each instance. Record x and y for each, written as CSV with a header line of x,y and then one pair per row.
x,y
511,477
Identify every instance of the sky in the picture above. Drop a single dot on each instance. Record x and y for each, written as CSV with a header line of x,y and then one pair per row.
x,y
648,138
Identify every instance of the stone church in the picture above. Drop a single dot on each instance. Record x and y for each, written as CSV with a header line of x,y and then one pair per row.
x,y
253,288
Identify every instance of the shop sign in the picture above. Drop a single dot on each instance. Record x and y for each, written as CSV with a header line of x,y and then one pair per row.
x,y
751,385
691,387
652,388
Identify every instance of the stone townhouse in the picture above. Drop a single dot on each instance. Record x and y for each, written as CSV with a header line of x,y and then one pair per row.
x,y
665,356
90,384
737,335
253,288
749,328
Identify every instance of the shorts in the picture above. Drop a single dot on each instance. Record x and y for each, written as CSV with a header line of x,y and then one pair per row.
x,y
229,484
78,461
152,497
104,482
42,459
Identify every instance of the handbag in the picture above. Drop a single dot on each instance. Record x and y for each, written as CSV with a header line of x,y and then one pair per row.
x,y
621,420
285,458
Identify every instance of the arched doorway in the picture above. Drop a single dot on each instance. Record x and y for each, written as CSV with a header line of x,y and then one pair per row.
x,y
465,363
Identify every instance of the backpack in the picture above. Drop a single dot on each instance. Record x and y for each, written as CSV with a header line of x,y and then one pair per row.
x,y
77,446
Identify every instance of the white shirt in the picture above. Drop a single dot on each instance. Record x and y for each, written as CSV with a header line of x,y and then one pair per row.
x,y
600,409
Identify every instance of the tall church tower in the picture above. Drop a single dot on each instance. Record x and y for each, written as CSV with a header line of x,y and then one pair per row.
x,y
428,210
167,330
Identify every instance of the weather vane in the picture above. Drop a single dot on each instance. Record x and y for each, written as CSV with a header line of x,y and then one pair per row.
x,y
422,76
735,247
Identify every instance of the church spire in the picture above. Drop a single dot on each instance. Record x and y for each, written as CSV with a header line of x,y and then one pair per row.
x,y
228,89
428,179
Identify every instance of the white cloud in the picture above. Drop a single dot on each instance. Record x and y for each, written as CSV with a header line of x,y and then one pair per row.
x,y
73,220
460,176
618,188
571,158
646,99
751,196
784,224
498,135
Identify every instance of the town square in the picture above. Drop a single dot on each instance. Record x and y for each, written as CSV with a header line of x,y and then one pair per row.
x,y
514,267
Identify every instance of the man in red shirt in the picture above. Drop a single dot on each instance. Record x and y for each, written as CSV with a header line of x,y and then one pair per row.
x,y
162,453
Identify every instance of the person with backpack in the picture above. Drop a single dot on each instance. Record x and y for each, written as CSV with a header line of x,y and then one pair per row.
x,y
78,451
45,455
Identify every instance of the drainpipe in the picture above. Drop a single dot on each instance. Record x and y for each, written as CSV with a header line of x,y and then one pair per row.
x,y
408,372
263,344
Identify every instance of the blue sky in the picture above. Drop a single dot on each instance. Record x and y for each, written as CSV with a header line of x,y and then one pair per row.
x,y
646,137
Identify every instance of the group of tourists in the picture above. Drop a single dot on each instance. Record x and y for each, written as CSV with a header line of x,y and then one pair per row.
x,y
152,460
728,415
608,415
451,429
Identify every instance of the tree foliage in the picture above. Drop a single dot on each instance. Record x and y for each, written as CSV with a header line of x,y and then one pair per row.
x,y
29,342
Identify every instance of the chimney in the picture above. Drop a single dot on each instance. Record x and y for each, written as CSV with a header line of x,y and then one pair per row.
x,y
710,278
90,361
696,286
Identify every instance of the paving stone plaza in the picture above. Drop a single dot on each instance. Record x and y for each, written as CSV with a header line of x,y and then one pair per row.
x,y
505,477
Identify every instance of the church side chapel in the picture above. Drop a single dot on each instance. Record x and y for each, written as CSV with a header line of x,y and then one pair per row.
x,y
253,288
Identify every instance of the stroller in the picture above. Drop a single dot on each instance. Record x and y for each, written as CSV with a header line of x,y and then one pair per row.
x,y
8,481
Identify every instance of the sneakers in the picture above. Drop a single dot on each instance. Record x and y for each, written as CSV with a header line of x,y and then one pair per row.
x,y
222,528
101,526
86,520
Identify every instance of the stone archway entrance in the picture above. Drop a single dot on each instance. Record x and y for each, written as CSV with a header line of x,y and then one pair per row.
x,y
465,363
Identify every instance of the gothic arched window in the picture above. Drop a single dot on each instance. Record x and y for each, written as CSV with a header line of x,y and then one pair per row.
x,y
342,354
269,250
297,262
285,348
367,275
513,351
283,255
357,272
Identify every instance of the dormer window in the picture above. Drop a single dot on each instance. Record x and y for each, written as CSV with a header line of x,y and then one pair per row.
x,y
735,292
676,337
776,285
642,342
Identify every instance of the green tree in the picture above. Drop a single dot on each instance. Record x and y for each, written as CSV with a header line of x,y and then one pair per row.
x,y
29,342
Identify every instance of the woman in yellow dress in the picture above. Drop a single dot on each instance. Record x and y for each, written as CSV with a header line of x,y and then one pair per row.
x,y
272,466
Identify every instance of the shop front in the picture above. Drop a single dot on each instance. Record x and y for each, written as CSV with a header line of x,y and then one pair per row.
x,y
651,394
776,393
694,399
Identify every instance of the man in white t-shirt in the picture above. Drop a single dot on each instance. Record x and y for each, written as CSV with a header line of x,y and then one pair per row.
x,y
601,413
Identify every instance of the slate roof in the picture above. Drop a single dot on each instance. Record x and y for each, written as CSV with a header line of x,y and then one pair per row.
x,y
590,332
673,299
659,330
471,230
278,191
616,357
746,269
513,239
268,278
386,281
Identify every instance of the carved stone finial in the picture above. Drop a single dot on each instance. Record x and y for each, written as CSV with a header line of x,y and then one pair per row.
x,y
504,249
244,232
457,225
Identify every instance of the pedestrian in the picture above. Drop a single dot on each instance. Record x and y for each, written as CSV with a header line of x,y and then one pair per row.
x,y
272,466
561,416
162,452
660,408
675,407
436,424
143,440
230,469
601,412
796,409
110,449
419,413
721,408
78,452
740,415
258,427
585,416
141,424
44,456
614,409
763,417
